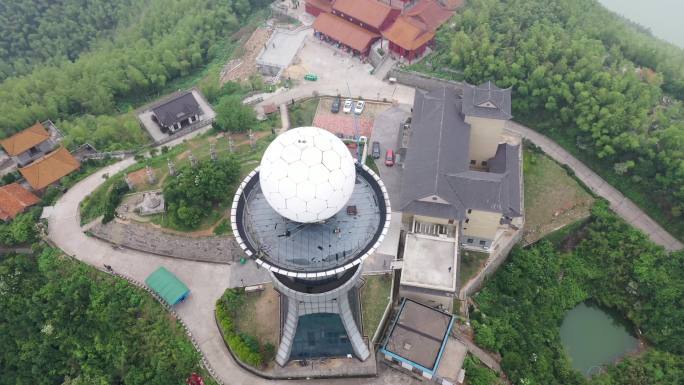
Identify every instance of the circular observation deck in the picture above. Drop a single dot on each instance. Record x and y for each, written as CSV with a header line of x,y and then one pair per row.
x,y
312,250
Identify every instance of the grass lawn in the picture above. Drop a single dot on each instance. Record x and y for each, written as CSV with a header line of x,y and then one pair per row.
x,y
370,162
374,298
259,316
302,114
471,262
553,199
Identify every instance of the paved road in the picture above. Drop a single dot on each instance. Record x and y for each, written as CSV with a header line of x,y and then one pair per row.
x,y
207,281
618,202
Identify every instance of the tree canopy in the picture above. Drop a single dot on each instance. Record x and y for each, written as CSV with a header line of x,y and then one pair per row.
x,y
64,323
35,32
192,194
618,267
163,40
232,115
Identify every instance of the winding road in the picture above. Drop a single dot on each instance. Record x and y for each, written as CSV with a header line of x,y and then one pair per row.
x,y
207,282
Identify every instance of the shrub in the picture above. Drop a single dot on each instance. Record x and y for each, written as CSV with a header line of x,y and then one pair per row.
x,y
114,196
246,347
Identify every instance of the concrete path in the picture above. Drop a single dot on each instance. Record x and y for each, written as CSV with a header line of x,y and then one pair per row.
x,y
207,281
481,354
618,202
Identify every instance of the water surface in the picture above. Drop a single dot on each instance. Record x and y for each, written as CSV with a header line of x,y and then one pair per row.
x,y
592,338
665,18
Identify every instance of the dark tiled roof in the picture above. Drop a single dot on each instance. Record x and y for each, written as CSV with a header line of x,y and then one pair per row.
x,y
497,190
438,146
177,109
487,101
437,180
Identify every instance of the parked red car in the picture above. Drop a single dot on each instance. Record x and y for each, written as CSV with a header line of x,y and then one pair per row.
x,y
389,158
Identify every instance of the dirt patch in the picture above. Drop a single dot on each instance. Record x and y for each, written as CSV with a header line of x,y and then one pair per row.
x,y
553,199
296,71
245,66
260,316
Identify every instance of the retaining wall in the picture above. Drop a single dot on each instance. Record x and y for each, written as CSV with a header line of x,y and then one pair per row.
x,y
422,81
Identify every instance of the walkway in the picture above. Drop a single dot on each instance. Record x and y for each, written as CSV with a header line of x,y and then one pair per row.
x,y
207,282
481,354
618,202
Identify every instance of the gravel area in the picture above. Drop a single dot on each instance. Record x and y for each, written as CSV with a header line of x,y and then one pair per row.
x,y
144,238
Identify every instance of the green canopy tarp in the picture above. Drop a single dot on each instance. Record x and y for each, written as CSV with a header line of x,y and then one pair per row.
x,y
167,285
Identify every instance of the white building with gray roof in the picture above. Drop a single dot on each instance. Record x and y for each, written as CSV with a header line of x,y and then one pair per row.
x,y
461,183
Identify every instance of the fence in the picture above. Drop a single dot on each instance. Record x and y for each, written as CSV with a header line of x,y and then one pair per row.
x,y
110,154
191,128
424,82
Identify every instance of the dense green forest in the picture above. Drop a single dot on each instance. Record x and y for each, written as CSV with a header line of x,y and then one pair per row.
x,y
166,40
521,309
62,323
35,32
586,77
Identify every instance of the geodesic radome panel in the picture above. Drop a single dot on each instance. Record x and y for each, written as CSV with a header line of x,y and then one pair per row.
x,y
307,174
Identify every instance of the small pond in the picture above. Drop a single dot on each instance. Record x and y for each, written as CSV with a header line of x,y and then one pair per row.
x,y
593,337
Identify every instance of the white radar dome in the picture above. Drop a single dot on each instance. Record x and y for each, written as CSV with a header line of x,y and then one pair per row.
x,y
307,174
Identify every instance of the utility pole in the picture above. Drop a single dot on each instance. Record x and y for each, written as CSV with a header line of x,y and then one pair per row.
x,y
356,126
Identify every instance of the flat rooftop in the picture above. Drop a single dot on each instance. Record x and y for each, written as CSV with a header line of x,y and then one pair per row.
x,y
430,262
313,247
282,47
419,334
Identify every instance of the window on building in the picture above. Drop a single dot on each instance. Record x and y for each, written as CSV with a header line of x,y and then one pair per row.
x,y
472,161
470,211
484,163
470,240
467,220
482,243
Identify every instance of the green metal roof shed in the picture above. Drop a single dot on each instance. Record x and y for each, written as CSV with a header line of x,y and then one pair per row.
x,y
167,285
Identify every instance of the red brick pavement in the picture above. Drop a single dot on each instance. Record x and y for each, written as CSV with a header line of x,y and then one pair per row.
x,y
343,123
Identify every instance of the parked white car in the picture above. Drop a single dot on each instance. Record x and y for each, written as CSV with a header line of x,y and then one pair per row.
x,y
360,105
347,106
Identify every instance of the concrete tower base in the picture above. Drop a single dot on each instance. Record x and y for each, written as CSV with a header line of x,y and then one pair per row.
x,y
335,301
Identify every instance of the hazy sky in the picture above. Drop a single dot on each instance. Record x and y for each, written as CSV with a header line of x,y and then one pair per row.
x,y
665,18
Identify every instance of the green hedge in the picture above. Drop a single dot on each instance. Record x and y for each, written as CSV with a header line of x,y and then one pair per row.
x,y
246,347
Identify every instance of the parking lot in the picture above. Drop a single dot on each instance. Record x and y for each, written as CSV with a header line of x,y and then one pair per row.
x,y
386,132
342,123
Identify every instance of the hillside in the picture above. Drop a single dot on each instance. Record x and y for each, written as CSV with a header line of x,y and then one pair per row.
x,y
166,40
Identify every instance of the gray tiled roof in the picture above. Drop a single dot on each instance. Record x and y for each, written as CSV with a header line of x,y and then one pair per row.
x,y
177,109
438,145
437,164
476,97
